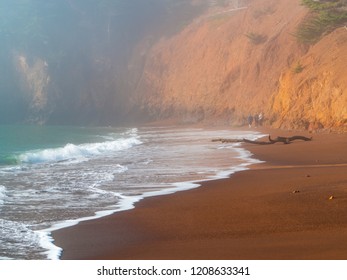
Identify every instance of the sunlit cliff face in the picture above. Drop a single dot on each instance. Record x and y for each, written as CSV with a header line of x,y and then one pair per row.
x,y
233,62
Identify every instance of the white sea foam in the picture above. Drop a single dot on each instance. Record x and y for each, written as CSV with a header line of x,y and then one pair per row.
x,y
83,151
13,231
105,181
127,202
46,241
2,194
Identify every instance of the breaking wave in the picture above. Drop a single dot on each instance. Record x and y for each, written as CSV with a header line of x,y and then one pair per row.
x,y
73,152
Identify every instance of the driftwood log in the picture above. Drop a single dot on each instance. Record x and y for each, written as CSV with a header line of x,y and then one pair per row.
x,y
284,140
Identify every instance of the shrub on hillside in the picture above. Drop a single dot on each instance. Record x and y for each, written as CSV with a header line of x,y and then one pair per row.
x,y
256,38
324,17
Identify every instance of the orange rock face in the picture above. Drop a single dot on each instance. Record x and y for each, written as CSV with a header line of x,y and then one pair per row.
x,y
245,60
316,97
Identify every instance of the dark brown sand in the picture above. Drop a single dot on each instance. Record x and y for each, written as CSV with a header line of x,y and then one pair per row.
x,y
277,210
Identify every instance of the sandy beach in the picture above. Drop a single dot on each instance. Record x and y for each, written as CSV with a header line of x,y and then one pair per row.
x,y
293,206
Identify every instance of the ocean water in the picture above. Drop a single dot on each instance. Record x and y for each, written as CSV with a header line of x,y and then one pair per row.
x,y
53,177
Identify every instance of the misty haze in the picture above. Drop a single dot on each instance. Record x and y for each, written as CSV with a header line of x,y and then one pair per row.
x,y
173,129
78,61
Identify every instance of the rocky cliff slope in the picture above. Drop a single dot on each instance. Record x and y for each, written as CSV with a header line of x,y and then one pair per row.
x,y
242,58
315,95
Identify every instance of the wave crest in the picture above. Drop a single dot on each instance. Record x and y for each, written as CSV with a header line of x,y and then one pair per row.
x,y
73,152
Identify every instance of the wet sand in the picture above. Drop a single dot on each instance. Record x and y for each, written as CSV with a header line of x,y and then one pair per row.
x,y
293,206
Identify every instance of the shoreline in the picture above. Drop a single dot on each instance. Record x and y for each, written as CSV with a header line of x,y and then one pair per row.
x,y
254,214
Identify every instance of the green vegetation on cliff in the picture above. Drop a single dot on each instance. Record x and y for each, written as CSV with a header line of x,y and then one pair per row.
x,y
324,17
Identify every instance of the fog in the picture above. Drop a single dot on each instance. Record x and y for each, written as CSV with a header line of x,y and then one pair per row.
x,y
75,61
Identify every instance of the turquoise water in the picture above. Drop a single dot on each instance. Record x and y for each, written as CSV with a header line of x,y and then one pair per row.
x,y
17,139
56,176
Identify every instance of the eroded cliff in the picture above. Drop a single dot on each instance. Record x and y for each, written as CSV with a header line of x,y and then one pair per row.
x,y
313,94
242,59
